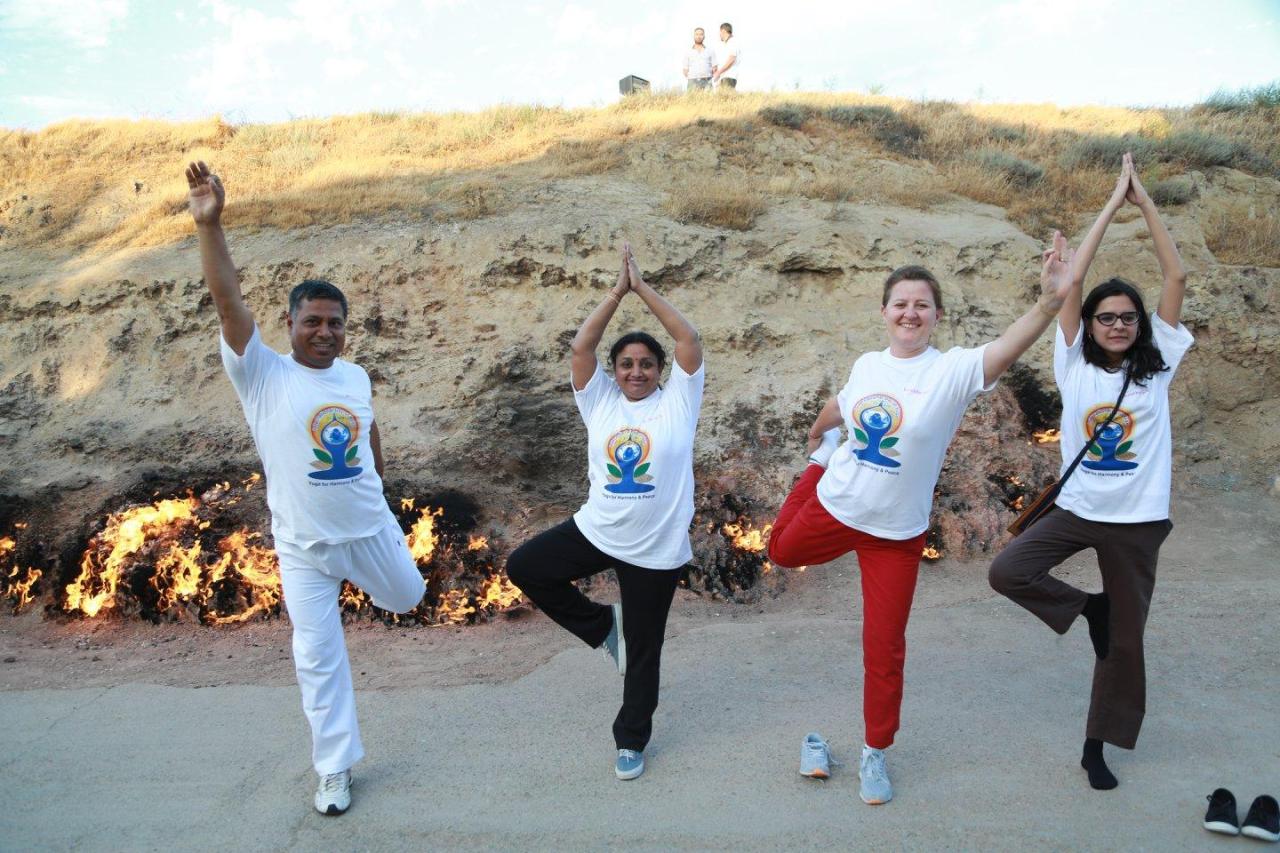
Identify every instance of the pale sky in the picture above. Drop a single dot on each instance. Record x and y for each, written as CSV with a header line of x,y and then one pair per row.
x,y
265,61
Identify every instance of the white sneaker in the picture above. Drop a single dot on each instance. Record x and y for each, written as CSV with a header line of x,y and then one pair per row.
x,y
876,789
823,452
333,796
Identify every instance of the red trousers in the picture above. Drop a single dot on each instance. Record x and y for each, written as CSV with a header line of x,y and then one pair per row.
x,y
805,534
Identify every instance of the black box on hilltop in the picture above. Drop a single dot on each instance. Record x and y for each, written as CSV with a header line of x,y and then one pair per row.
x,y
633,85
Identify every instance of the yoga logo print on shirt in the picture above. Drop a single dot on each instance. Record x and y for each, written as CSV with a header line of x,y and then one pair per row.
x,y
627,451
335,430
876,417
1113,448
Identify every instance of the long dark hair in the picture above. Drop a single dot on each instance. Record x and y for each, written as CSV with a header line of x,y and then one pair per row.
x,y
1143,356
638,338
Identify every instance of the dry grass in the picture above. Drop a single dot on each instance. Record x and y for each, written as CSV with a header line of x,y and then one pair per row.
x,y
108,184
1244,234
725,202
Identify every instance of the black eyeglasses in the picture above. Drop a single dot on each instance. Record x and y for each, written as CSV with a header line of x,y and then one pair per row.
x,y
1109,319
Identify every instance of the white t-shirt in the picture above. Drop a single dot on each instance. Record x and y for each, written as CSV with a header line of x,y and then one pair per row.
x,y
727,49
900,414
311,428
1126,478
700,63
640,464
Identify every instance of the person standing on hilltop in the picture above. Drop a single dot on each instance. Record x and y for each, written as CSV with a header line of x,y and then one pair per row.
x,y
699,63
311,416
726,74
639,502
872,494
1113,365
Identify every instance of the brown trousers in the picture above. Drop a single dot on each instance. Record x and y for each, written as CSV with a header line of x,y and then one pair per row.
x,y
1127,559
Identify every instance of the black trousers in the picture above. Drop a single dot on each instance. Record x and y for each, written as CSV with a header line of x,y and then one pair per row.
x,y
545,567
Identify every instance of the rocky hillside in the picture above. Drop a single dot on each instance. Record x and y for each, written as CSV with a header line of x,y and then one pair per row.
x,y
771,231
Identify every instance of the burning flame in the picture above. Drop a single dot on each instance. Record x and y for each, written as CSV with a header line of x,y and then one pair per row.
x,y
126,532
748,538
164,559
1047,436
18,584
931,553
422,538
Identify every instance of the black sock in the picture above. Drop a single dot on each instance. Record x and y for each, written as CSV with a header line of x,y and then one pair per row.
x,y
1097,612
1100,776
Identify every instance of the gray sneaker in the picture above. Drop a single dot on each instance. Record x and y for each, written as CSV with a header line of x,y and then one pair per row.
x,y
815,757
615,645
876,789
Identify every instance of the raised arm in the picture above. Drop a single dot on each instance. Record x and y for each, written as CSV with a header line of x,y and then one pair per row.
x,y
688,341
205,201
1055,284
1171,269
582,358
1069,314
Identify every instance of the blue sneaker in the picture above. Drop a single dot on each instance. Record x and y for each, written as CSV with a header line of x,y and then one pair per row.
x,y
876,789
615,645
815,757
630,764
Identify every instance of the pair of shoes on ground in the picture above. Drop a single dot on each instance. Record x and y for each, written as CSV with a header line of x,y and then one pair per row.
x,y
816,763
615,645
1262,822
333,795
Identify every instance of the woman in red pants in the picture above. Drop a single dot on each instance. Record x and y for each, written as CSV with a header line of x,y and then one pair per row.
x,y
872,494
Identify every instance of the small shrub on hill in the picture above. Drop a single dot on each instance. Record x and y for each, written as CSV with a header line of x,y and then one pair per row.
x,y
1022,173
787,115
1176,190
886,126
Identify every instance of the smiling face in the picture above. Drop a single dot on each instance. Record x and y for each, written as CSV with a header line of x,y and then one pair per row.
x,y
636,370
1116,339
910,315
317,332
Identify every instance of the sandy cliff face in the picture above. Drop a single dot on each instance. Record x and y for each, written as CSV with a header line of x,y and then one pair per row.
x,y
111,377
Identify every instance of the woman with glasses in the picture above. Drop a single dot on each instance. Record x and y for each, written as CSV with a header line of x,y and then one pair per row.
x,y
1117,501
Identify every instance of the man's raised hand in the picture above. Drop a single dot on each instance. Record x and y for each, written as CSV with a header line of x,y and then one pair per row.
x,y
206,198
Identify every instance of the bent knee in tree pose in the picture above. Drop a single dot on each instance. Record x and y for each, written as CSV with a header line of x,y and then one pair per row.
x,y
1117,499
639,504
311,415
872,493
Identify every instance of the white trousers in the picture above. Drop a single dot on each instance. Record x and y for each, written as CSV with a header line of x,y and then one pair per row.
x,y
312,578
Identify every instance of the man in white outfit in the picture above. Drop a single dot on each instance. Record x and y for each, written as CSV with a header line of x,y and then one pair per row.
x,y
311,415
699,63
726,75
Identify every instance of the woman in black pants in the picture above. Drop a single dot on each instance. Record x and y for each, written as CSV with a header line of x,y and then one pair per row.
x,y
639,507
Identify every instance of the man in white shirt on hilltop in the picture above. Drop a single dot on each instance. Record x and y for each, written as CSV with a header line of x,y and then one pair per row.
x,y
699,63
726,75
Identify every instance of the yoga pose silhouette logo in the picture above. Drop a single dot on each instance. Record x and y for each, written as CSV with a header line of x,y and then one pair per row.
x,y
1113,448
627,451
876,418
335,430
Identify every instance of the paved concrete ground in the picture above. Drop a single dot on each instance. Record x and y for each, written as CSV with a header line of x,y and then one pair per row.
x,y
987,758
